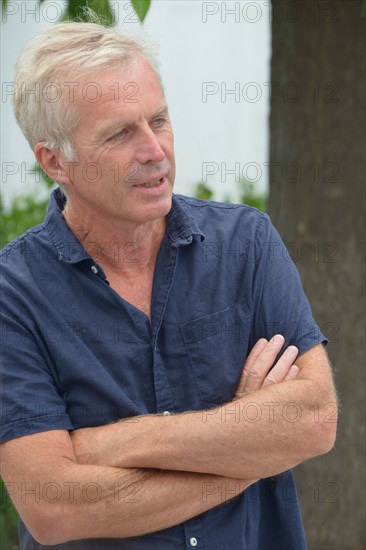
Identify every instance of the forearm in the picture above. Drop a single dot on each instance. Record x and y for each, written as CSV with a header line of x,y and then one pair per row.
x,y
257,436
95,501
254,437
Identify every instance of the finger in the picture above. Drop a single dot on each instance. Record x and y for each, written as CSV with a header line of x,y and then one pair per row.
x,y
282,367
263,364
250,360
255,351
292,373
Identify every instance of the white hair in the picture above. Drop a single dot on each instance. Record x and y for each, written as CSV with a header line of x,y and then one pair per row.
x,y
62,51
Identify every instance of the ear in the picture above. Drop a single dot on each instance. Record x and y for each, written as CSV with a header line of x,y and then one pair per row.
x,y
53,163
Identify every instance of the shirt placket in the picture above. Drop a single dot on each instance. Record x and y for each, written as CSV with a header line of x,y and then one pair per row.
x,y
193,531
166,265
164,275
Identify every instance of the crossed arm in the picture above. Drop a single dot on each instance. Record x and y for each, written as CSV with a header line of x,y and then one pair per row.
x,y
151,474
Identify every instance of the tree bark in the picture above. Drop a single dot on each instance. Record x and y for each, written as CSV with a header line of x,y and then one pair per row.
x,y
317,202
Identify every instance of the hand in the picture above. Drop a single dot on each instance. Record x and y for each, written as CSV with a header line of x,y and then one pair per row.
x,y
83,442
257,372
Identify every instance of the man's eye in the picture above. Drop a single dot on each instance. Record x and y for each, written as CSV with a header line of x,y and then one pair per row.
x,y
159,121
119,135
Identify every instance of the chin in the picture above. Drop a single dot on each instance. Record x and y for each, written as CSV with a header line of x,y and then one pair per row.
x,y
162,209
153,212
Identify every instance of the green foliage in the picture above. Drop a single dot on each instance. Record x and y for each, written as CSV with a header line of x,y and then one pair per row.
x,y
201,191
43,176
24,212
85,10
247,194
141,8
8,522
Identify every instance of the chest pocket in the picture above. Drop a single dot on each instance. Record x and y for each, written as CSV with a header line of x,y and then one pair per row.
x,y
217,345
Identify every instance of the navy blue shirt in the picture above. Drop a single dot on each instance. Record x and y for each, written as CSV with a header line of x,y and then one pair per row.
x,y
76,354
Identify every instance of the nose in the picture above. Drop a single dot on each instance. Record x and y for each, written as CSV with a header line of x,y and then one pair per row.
x,y
148,147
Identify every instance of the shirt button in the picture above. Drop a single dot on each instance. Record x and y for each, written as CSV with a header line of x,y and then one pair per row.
x,y
193,541
94,269
166,413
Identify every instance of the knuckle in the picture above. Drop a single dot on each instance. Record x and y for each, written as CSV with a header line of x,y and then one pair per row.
x,y
256,374
270,380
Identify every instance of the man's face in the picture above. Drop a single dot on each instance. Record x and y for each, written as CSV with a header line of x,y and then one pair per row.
x,y
124,143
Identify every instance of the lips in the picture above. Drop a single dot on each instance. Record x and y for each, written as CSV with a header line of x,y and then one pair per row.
x,y
153,182
150,184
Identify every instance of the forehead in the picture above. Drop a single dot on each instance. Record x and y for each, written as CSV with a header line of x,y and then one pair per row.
x,y
119,89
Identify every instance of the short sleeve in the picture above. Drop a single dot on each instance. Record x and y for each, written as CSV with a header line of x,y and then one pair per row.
x,y
30,398
281,304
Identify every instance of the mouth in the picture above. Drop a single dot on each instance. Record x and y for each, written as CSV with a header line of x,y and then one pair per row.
x,y
157,184
149,184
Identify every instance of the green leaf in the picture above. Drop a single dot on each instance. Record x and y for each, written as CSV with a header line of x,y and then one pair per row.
x,y
8,521
250,196
202,191
37,169
77,10
24,212
141,8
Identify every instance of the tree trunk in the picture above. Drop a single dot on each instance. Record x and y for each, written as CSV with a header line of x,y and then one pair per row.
x,y
317,202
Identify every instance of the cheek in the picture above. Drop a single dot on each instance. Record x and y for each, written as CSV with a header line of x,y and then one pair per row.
x,y
116,173
167,145
117,166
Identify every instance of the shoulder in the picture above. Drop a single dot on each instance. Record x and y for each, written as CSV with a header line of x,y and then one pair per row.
x,y
222,207
224,217
21,267
20,248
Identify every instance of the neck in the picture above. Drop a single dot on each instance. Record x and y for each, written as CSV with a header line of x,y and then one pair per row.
x,y
120,247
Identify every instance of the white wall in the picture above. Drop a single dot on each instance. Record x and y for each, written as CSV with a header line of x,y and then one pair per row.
x,y
205,49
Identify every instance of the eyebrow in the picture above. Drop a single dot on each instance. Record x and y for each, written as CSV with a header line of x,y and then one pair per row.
x,y
122,123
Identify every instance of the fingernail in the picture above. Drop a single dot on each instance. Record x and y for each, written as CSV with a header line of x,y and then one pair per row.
x,y
277,338
293,349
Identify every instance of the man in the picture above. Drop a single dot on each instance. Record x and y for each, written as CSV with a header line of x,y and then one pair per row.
x,y
129,421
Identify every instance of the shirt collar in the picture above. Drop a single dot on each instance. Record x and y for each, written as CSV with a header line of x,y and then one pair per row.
x,y
69,248
181,227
